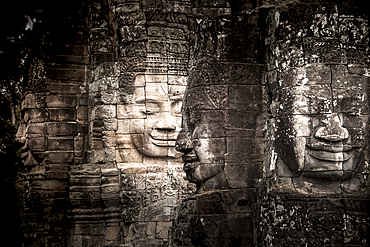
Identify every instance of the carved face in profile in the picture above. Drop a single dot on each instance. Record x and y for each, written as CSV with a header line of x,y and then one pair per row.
x,y
202,138
157,117
321,121
31,130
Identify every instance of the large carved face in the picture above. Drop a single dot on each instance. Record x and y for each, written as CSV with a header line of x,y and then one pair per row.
x,y
202,138
157,110
322,121
31,130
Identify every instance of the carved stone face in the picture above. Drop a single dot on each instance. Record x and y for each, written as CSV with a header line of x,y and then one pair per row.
x,y
202,138
157,111
321,121
31,131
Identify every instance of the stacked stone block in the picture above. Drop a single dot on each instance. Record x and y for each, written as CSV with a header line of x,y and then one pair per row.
x,y
53,127
222,112
153,54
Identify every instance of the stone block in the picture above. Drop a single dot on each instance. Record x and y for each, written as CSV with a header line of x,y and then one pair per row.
x,y
131,155
113,233
109,97
56,157
75,49
49,185
245,74
96,229
36,143
78,143
61,115
177,80
110,172
36,115
60,143
241,226
210,204
212,150
85,169
36,129
108,154
240,149
239,175
110,190
63,88
162,230
109,111
82,114
97,144
110,124
132,168
70,74
236,119
58,171
57,175
124,141
61,129
130,111
109,139
78,60
83,101
95,240
80,229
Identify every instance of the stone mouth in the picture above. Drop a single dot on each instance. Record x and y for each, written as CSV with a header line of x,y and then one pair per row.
x,y
164,139
191,165
334,153
188,158
331,148
163,143
331,156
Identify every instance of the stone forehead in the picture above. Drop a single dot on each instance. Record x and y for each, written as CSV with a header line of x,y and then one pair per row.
x,y
337,77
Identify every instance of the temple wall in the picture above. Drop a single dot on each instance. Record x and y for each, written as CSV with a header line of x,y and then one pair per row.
x,y
197,123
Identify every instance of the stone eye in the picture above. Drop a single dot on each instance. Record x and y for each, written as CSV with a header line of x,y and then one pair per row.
x,y
147,111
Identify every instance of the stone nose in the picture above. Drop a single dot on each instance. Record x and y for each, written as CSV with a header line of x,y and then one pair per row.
x,y
333,129
20,136
166,122
184,143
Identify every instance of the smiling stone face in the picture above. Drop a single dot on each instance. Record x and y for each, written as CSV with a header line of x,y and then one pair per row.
x,y
159,107
321,115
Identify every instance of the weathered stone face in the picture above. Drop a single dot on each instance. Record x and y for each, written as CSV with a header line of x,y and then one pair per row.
x,y
202,138
321,121
318,82
31,131
156,104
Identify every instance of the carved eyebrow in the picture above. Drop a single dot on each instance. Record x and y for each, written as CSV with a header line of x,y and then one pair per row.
x,y
176,97
143,99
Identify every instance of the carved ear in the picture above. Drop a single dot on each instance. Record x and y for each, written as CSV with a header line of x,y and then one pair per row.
x,y
217,95
138,141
